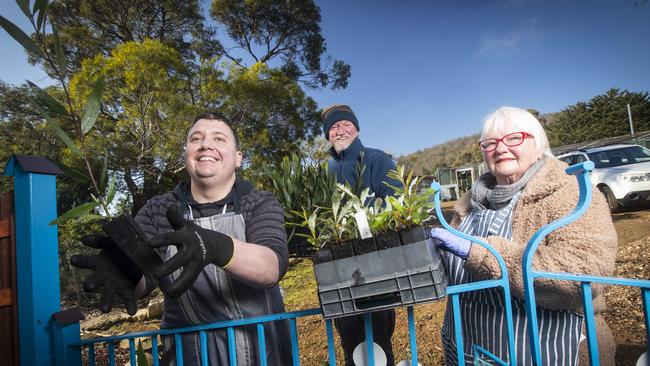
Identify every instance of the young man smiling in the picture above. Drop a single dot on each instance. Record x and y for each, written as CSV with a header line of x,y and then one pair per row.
x,y
341,128
224,249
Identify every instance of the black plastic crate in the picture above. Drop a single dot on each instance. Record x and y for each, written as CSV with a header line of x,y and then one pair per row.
x,y
384,279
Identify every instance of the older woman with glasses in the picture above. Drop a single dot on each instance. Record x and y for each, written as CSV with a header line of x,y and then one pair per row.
x,y
526,188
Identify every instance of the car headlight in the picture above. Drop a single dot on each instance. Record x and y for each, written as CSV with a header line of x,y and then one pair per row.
x,y
634,177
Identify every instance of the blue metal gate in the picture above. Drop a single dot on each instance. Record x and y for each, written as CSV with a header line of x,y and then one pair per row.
x,y
68,347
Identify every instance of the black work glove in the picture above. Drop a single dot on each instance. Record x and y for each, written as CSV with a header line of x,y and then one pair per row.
x,y
197,247
113,273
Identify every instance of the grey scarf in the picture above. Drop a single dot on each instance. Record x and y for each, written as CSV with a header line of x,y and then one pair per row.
x,y
487,194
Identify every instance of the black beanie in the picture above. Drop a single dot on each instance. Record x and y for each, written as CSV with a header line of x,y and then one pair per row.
x,y
335,113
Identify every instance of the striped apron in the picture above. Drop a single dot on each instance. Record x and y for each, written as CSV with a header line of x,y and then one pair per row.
x,y
483,312
216,296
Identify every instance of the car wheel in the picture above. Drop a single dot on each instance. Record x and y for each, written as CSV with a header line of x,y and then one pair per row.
x,y
612,202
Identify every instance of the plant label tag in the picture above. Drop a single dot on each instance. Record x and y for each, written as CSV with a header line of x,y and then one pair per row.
x,y
362,224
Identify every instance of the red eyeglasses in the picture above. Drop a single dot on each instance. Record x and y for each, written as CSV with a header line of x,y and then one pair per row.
x,y
510,140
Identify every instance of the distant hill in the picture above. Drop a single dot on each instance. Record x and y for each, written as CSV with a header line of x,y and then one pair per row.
x,y
457,152
453,153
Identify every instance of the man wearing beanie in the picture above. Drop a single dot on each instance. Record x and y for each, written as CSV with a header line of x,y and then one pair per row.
x,y
341,129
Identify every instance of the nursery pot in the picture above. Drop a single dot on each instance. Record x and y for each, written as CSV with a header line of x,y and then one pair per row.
x,y
364,246
413,234
298,245
343,250
322,256
387,240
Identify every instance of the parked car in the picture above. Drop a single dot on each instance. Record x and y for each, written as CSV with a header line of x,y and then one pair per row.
x,y
622,172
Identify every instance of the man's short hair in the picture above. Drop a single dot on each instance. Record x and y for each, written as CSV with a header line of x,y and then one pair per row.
x,y
217,116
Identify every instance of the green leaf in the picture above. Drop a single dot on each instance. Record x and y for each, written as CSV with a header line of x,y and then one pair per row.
x,y
24,6
60,55
91,110
103,179
75,174
40,6
19,36
112,188
142,358
75,213
46,100
91,218
54,126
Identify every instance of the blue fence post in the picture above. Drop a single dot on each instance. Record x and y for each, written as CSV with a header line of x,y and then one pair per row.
x,y
65,331
37,257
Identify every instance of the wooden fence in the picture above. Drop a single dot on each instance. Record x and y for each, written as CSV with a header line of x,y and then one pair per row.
x,y
8,289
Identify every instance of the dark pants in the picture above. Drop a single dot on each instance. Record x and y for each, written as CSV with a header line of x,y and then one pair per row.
x,y
351,330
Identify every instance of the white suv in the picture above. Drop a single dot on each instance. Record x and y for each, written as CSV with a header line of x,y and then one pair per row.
x,y
622,172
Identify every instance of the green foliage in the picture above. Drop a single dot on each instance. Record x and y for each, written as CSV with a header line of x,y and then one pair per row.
x,y
335,222
130,91
145,119
70,234
51,105
408,208
288,31
338,222
140,355
57,130
90,28
272,113
22,131
300,186
332,224
20,36
91,110
42,102
602,116
303,218
80,211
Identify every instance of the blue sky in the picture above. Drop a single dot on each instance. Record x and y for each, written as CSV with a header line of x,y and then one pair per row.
x,y
424,72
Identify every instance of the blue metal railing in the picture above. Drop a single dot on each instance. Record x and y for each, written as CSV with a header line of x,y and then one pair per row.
x,y
230,325
581,171
455,290
480,354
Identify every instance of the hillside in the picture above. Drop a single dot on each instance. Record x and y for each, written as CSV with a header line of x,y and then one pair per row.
x,y
456,152
453,153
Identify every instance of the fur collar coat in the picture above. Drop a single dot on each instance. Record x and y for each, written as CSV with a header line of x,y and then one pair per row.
x,y
587,246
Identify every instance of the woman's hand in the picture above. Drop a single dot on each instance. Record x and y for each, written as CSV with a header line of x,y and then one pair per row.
x,y
451,243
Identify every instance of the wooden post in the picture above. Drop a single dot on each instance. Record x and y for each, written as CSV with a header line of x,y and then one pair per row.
x,y
8,293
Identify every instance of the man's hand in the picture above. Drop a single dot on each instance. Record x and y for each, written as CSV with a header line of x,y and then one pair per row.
x,y
197,247
451,243
113,273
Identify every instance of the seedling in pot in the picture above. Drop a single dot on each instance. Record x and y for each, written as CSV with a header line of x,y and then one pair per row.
x,y
409,209
301,186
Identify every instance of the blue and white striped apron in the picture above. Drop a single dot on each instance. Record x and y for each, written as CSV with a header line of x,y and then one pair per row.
x,y
483,313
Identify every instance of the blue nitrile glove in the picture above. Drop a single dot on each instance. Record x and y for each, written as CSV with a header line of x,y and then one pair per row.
x,y
451,243
197,247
